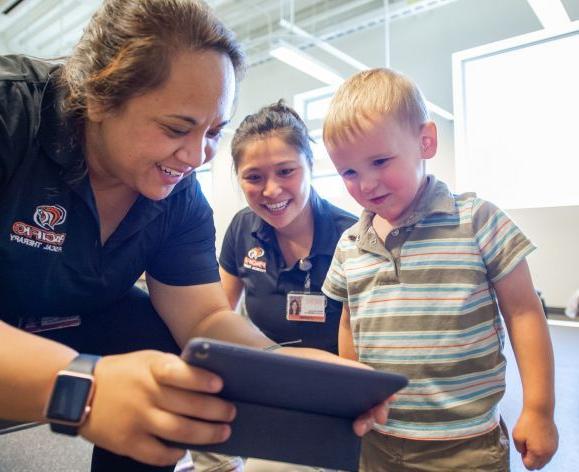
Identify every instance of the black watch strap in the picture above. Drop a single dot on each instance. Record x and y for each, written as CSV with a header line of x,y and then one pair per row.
x,y
83,364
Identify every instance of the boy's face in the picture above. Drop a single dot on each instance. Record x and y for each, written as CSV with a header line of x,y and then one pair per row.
x,y
383,166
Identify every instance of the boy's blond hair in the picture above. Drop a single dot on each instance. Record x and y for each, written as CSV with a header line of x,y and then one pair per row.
x,y
371,95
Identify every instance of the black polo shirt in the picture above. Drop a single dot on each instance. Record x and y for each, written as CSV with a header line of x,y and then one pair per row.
x,y
51,259
268,280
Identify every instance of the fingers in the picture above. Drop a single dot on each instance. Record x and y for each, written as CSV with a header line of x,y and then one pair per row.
x,y
380,412
536,459
365,422
533,462
173,371
187,430
520,444
152,451
196,405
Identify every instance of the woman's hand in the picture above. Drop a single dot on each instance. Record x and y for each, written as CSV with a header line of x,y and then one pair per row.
x,y
144,396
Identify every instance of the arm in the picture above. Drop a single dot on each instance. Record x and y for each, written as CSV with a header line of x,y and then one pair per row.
x,y
211,317
233,286
28,366
345,340
535,434
137,389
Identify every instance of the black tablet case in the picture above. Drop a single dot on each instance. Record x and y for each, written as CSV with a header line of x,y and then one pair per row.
x,y
290,409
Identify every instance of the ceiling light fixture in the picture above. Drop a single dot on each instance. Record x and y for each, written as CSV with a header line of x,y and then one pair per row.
x,y
304,62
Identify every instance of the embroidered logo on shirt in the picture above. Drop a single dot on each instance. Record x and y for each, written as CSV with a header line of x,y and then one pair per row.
x,y
48,216
251,261
43,236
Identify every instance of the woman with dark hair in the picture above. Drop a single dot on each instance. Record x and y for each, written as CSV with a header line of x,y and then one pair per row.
x,y
294,307
279,249
97,185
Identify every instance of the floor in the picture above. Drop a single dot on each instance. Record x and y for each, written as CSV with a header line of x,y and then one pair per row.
x,y
37,449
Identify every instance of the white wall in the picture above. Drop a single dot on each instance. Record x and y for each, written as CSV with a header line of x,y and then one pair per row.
x,y
421,46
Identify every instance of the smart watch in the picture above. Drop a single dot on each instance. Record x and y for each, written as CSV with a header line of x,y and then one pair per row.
x,y
70,400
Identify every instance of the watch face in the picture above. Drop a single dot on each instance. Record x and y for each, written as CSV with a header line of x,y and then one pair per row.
x,y
69,398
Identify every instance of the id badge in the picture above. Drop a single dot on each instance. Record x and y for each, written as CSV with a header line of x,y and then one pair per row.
x,y
303,306
48,323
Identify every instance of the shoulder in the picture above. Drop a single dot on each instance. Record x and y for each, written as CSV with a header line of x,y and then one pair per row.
x,y
244,218
242,224
16,68
187,204
341,218
23,83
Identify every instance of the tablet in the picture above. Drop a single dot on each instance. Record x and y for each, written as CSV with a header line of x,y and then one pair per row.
x,y
290,409
278,380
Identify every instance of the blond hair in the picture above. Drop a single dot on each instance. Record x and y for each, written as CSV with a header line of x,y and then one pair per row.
x,y
371,95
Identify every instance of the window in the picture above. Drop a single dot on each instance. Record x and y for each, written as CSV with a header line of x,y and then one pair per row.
x,y
312,107
205,177
516,105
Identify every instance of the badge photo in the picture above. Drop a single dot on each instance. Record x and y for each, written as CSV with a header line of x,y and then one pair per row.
x,y
302,306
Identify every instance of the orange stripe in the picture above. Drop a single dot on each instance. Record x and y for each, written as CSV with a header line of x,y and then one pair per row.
x,y
495,233
369,265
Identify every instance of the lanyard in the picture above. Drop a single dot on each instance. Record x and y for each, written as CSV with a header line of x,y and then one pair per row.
x,y
305,266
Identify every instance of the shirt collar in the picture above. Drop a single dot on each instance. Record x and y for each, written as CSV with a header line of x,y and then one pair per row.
x,y
435,199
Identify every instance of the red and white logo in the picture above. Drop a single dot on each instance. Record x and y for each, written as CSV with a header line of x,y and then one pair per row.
x,y
43,235
251,261
48,216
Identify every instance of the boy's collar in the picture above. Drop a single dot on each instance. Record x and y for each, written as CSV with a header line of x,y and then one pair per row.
x,y
436,198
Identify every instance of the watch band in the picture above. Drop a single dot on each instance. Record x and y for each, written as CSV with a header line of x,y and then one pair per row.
x,y
83,364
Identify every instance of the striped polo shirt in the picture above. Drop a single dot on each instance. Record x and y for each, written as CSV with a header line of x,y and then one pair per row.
x,y
422,305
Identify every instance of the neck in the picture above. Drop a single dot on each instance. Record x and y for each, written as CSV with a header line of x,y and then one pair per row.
x,y
302,226
295,240
100,178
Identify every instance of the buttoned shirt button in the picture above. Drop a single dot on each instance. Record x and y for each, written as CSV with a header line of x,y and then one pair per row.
x,y
373,241
395,232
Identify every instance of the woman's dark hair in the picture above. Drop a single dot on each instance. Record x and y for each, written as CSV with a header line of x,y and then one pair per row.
x,y
127,47
276,119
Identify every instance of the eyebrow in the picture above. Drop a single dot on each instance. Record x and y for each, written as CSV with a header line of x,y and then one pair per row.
x,y
193,121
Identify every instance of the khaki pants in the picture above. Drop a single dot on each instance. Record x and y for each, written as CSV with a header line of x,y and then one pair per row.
x,y
209,462
488,452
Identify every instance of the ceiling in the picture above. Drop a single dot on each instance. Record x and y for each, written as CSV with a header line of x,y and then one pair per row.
x,y
50,28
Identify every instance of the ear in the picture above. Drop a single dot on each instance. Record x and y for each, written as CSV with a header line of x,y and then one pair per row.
x,y
428,140
95,111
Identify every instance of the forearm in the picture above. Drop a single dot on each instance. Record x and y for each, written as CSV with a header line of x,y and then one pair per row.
x,y
28,367
229,326
531,342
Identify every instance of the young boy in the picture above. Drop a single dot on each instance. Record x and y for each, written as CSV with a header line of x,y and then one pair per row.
x,y
426,275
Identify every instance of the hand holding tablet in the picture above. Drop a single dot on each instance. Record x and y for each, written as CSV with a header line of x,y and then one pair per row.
x,y
288,408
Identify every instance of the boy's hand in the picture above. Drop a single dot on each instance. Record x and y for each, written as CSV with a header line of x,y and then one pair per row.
x,y
536,438
378,414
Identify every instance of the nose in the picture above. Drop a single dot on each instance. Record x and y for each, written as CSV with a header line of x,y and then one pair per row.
x,y
271,188
193,151
368,185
